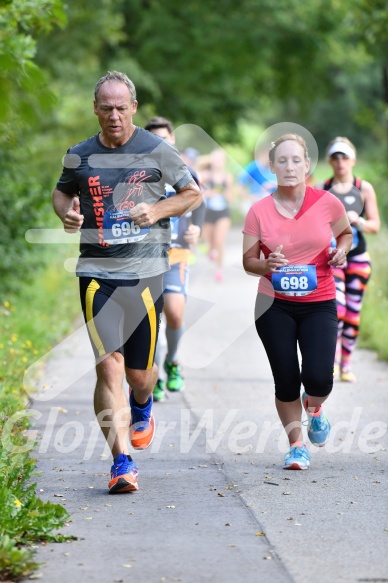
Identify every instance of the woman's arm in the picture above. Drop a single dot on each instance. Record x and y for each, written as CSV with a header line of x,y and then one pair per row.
x,y
252,263
342,232
371,222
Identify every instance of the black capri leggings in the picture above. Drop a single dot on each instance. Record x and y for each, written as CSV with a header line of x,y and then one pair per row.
x,y
312,326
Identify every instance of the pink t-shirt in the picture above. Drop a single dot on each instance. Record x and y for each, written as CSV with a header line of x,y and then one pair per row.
x,y
305,238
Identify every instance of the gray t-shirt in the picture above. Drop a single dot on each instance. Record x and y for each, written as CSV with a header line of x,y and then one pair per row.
x,y
109,182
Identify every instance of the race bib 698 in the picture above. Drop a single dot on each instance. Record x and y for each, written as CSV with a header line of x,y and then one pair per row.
x,y
295,280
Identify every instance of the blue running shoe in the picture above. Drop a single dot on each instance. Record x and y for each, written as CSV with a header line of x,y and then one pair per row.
x,y
123,475
298,458
142,425
318,425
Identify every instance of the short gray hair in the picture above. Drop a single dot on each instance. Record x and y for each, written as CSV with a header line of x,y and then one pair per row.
x,y
116,76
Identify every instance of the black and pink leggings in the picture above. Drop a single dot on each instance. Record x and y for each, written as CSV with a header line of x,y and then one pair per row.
x,y
350,283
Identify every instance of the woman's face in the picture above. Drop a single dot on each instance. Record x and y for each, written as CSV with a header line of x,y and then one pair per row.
x,y
290,165
341,164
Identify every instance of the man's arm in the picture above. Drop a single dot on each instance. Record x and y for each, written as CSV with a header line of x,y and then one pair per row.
x,y
185,200
67,207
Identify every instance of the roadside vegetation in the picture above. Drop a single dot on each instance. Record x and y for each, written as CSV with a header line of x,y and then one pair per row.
x,y
29,327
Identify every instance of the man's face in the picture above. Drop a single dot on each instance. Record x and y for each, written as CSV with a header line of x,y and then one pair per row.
x,y
114,110
165,134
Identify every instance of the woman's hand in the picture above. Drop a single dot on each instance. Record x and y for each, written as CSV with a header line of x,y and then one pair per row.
x,y
338,257
276,259
353,217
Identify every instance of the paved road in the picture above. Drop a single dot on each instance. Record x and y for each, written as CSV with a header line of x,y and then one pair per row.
x,y
214,503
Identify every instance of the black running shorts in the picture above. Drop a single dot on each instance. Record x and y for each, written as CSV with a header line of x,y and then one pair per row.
x,y
123,316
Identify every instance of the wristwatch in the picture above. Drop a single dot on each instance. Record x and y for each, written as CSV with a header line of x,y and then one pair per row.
x,y
360,224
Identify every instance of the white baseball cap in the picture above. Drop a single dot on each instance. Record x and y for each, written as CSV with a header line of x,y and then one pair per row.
x,y
343,148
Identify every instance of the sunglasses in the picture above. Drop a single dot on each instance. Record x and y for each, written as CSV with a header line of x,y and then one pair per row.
x,y
339,156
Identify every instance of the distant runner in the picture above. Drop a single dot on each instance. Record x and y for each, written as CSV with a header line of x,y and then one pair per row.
x,y
359,199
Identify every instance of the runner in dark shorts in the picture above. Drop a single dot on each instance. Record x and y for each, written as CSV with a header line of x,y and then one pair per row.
x,y
112,189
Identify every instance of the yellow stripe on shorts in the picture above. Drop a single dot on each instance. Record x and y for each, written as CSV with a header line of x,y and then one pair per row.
x,y
151,312
90,293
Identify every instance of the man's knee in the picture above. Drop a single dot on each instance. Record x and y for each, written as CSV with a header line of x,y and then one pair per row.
x,y
110,367
140,379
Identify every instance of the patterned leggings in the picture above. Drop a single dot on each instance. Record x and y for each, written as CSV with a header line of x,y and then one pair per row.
x,y
350,285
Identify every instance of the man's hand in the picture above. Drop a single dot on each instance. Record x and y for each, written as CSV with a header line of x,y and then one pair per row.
x,y
73,219
144,214
192,234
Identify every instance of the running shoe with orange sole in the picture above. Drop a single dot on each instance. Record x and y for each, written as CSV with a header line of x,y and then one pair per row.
x,y
318,424
142,424
123,475
297,458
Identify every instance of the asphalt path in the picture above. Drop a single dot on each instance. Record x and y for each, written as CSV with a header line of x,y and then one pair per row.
x,y
214,503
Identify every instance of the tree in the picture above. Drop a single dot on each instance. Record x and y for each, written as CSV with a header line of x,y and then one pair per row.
x,y
24,96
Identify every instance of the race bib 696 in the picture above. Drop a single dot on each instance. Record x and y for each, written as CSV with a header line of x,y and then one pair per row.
x,y
119,228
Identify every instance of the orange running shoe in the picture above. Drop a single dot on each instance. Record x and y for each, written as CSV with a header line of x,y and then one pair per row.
x,y
123,475
142,425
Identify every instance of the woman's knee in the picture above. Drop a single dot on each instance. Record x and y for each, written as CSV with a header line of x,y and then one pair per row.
x,y
318,387
288,393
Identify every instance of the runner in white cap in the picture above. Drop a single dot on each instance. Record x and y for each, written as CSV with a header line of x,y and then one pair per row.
x,y
359,199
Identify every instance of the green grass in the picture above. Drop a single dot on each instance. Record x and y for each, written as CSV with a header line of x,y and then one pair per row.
x,y
373,330
30,324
